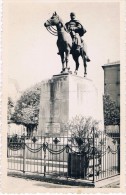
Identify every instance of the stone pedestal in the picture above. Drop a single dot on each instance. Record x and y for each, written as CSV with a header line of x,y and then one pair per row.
x,y
63,97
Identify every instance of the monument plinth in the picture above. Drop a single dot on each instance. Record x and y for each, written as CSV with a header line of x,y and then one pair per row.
x,y
63,97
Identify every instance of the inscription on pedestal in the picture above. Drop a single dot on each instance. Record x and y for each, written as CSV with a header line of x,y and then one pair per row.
x,y
52,128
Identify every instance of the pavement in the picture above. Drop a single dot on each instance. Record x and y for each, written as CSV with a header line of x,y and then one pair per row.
x,y
23,185
16,185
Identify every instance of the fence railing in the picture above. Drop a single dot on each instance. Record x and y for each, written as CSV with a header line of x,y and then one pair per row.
x,y
58,156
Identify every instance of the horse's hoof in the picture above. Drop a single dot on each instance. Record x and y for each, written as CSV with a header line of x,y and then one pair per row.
x,y
63,70
75,72
85,75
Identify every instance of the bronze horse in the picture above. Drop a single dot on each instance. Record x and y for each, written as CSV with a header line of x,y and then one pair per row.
x,y
64,44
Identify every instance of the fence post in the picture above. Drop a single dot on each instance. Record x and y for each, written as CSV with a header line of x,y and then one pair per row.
x,y
118,153
93,156
44,159
24,156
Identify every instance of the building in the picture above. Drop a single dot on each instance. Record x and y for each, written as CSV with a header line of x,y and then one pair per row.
x,y
112,88
112,81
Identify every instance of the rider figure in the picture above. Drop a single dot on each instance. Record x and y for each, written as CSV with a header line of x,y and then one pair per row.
x,y
76,31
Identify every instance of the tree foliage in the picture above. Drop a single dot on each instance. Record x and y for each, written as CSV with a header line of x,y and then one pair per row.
x,y
82,129
26,110
111,111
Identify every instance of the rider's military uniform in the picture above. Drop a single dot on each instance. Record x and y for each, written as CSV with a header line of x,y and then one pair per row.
x,y
76,31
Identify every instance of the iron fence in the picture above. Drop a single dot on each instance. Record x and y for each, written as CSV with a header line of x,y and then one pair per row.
x,y
59,157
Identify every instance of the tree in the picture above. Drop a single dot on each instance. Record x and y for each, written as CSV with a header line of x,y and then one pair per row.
x,y
83,130
80,129
111,111
26,111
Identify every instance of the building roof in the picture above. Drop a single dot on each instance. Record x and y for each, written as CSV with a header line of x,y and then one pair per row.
x,y
116,63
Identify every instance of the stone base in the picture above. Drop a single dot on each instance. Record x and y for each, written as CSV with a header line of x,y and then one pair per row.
x,y
63,97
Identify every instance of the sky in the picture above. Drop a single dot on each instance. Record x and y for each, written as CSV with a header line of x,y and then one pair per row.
x,y
31,50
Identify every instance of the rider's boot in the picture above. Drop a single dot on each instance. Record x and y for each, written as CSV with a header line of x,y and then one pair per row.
x,y
72,48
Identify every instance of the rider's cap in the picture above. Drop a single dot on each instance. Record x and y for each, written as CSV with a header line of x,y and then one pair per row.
x,y
72,14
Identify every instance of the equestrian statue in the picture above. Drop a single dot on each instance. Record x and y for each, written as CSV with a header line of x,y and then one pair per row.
x,y
69,41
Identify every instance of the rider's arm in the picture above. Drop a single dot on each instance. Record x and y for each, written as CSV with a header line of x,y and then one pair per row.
x,y
74,28
78,28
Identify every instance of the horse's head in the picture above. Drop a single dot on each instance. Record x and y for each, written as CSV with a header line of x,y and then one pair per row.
x,y
53,21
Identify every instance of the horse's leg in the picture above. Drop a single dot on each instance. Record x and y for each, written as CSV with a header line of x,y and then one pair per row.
x,y
85,67
84,61
66,58
62,60
76,59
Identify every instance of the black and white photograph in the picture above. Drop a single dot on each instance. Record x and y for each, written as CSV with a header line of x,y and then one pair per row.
x,y
63,74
